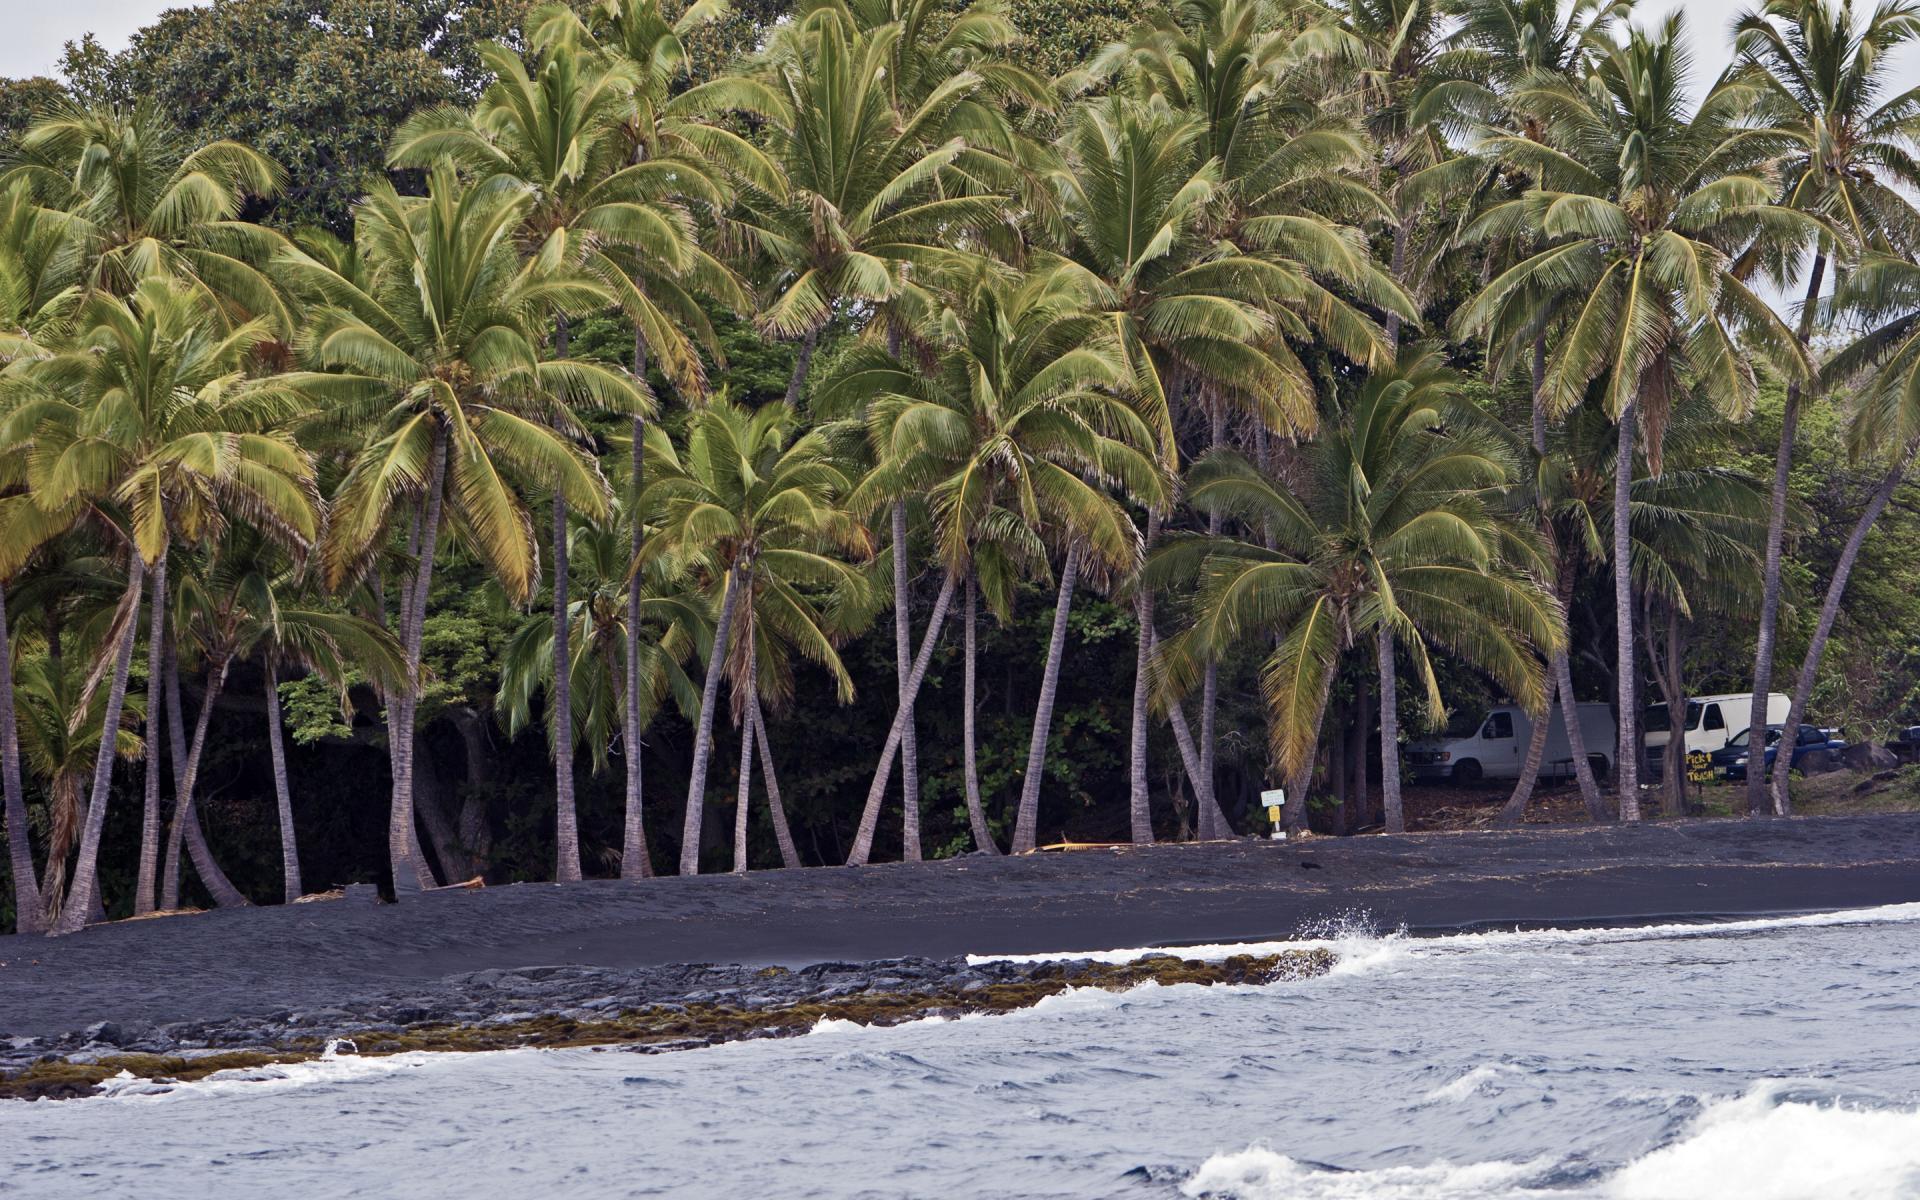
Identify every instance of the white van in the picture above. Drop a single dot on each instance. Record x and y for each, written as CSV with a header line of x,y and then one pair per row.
x,y
1497,747
1712,722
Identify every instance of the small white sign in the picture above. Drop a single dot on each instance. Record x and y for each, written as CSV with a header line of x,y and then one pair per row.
x,y
1274,798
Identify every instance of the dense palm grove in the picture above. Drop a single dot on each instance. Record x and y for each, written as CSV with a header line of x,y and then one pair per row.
x,y
824,436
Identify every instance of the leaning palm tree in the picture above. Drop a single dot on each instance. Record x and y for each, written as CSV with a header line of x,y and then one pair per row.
x,y
754,505
1396,540
1825,77
145,200
1643,238
149,426
433,349
1884,292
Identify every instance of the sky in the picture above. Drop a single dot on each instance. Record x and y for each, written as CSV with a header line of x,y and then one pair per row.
x,y
36,29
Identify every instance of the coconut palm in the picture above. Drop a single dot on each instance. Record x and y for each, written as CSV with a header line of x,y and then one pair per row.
x,y
1824,76
560,134
1397,539
674,619
1645,237
754,505
1884,292
684,126
149,426
1026,401
144,200
435,351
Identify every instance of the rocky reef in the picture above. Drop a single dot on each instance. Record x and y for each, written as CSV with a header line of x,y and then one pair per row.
x,y
649,1010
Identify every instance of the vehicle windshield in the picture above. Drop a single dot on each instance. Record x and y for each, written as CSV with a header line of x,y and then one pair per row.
x,y
1739,740
1465,722
1654,719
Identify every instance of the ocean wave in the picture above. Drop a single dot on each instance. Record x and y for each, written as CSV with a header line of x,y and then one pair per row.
x,y
1760,1145
1361,946
331,1068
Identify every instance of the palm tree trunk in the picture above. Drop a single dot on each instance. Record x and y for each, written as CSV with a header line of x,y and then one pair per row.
x,y
28,914
1359,796
1626,764
801,362
744,796
1210,681
703,738
1764,640
883,774
410,871
902,664
186,818
82,893
282,794
143,890
1027,822
177,756
970,749
1389,731
567,836
1139,809
1300,783
635,863
782,833
1516,806
1189,752
1823,628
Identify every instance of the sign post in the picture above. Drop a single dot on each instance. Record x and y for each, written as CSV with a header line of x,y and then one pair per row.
x,y
1275,799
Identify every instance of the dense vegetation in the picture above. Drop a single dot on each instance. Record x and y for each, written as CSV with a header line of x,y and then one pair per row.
x,y
441,439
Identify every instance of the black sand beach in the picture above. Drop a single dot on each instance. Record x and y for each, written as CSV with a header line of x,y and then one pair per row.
x,y
239,963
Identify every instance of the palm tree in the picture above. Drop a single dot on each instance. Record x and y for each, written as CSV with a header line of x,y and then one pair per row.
x,y
1024,403
754,505
148,425
1645,238
560,134
436,356
1884,291
1196,315
1396,539
683,129
674,618
144,200
1823,75
37,293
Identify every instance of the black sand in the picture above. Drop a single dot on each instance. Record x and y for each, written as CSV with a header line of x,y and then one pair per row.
x,y
240,963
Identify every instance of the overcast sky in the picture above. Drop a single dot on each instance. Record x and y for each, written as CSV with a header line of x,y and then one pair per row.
x,y
36,30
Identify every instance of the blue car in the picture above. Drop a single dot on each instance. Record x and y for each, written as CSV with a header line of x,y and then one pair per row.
x,y
1731,760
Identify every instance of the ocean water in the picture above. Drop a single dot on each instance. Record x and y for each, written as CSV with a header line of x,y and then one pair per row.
x,y
1759,1060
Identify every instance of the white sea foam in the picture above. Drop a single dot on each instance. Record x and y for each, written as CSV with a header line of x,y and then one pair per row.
x,y
1361,947
1756,1146
330,1067
1472,1082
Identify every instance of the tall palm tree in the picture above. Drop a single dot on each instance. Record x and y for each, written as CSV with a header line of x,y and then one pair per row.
x,y
1885,292
755,505
37,293
1824,75
1641,206
1027,399
1396,540
560,133
149,424
435,353
685,128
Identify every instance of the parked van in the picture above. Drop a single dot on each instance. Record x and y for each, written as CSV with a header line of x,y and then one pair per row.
x,y
1712,722
1497,747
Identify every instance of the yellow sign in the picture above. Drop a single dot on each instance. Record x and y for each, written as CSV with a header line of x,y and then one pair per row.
x,y
1699,767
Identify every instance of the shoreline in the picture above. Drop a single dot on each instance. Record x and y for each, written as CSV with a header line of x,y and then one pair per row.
x,y
237,965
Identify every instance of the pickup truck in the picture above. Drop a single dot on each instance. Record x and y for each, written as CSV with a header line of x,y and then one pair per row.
x,y
1730,760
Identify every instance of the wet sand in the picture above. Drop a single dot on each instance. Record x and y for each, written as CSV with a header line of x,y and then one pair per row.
x,y
248,962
